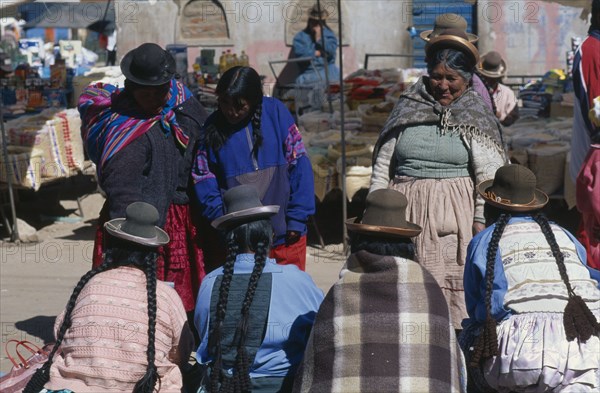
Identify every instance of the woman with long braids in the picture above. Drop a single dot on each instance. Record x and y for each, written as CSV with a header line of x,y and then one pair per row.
x,y
253,315
122,330
252,139
533,303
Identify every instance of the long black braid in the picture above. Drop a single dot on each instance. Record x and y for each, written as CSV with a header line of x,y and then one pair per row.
x,y
578,320
214,342
148,381
257,134
115,257
254,236
487,342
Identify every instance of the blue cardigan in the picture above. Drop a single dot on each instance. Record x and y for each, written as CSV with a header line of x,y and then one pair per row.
x,y
474,274
281,172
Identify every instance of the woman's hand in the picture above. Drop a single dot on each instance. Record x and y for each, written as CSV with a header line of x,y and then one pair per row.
x,y
292,237
477,227
317,32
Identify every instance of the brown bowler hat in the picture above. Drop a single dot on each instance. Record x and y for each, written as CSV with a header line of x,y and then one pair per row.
x,y
513,188
492,65
452,39
448,21
385,216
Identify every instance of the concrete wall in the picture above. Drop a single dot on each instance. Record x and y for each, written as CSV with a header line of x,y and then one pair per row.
x,y
533,36
369,27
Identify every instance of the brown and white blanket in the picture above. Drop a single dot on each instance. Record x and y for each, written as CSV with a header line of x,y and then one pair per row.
x,y
383,327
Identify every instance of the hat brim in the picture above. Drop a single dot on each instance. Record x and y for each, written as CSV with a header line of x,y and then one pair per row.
x,y
126,69
454,42
411,230
539,201
113,227
425,36
241,216
492,74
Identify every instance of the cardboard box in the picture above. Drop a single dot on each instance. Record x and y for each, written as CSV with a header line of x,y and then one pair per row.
x,y
559,110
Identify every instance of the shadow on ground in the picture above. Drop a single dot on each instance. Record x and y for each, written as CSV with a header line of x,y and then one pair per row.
x,y
41,326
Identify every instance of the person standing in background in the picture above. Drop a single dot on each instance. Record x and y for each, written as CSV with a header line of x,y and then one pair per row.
x,y
492,69
253,139
141,139
111,48
585,141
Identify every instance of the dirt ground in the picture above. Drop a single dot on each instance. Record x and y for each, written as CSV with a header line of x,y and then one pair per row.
x,y
36,279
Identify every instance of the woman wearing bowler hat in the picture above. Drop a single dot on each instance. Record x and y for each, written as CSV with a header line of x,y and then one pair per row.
x,y
141,138
533,303
122,330
438,143
384,326
253,315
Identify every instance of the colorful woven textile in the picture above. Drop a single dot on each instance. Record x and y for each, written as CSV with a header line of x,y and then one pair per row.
x,y
110,120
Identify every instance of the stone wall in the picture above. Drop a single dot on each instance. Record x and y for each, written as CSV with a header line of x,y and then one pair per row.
x,y
259,28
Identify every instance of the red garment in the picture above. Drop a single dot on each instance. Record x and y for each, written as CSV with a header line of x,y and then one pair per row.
x,y
181,261
588,203
294,254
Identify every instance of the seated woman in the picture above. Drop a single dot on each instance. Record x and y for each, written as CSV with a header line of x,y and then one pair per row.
x,y
385,320
319,42
122,330
254,316
529,294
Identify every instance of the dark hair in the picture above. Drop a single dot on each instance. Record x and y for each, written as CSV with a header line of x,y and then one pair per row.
x,y
253,236
238,83
389,246
128,255
453,59
578,320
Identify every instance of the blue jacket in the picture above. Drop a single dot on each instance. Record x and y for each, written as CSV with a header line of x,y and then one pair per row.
x,y
294,302
281,172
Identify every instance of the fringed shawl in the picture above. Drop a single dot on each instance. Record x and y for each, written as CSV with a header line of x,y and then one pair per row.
x,y
466,116
109,120
383,327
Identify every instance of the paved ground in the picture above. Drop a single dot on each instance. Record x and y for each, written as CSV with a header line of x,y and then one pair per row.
x,y
37,279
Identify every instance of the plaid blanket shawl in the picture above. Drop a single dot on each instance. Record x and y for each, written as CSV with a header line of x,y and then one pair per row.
x,y
383,327
109,120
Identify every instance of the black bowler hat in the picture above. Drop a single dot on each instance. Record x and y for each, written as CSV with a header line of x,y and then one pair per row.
x,y
242,205
138,226
148,65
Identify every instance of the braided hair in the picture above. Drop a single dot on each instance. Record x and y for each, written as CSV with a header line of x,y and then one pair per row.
x,y
487,343
578,320
237,84
120,254
256,237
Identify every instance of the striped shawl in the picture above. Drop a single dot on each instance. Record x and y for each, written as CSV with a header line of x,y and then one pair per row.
x,y
383,327
110,119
